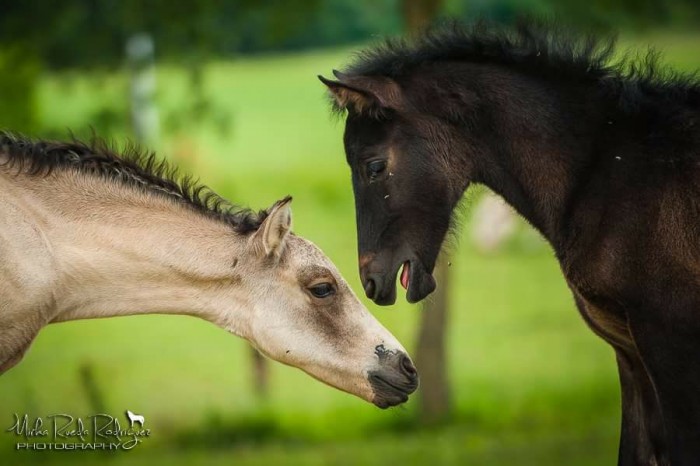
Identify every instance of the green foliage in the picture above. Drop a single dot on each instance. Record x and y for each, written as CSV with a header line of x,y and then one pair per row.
x,y
94,33
600,14
631,14
19,74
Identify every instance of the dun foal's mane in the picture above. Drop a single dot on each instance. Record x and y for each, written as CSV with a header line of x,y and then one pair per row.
x,y
134,167
539,48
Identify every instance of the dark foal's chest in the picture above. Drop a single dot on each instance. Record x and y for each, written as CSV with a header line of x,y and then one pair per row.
x,y
605,321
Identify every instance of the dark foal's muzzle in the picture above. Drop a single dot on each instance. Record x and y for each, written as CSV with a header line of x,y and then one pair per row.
x,y
378,275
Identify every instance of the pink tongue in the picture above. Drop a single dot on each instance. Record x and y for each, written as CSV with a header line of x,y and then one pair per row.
x,y
405,274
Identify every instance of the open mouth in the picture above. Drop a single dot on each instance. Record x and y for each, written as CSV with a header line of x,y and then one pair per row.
x,y
417,282
405,275
413,277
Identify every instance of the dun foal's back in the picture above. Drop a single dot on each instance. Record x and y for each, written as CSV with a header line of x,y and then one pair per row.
x,y
87,233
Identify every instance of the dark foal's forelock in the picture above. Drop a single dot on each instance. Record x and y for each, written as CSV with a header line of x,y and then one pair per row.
x,y
134,168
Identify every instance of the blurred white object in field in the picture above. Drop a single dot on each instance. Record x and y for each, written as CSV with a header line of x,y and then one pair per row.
x,y
142,89
493,223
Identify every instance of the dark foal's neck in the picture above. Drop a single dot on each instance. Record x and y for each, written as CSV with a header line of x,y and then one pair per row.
x,y
532,142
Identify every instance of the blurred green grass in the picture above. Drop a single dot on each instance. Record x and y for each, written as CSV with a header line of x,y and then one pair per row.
x,y
531,384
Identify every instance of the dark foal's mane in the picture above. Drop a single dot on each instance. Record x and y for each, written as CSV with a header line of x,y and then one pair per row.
x,y
134,168
540,49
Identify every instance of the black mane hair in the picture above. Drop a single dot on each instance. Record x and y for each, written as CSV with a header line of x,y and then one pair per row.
x,y
540,48
134,167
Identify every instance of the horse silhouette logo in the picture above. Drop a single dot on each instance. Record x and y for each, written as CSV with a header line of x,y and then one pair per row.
x,y
135,418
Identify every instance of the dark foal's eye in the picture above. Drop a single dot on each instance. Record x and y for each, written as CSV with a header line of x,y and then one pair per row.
x,y
322,290
375,167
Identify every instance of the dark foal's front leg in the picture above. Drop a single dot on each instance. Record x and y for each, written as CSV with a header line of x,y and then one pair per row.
x,y
671,354
642,437
642,434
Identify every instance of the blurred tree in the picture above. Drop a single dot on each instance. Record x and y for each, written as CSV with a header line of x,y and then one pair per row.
x,y
418,14
431,358
261,374
93,393
431,355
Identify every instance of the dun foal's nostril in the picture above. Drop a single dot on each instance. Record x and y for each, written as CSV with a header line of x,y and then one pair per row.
x,y
408,368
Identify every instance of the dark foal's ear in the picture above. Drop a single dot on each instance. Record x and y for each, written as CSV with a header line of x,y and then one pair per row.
x,y
363,94
272,234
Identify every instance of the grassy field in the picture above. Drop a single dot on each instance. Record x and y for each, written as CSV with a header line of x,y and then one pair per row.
x,y
531,384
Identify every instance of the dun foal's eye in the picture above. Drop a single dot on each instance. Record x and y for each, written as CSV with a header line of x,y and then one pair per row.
x,y
375,167
322,290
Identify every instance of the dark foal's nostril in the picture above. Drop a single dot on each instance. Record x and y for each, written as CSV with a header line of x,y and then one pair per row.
x,y
407,367
370,288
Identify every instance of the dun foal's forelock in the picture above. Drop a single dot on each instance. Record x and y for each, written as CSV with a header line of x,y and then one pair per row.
x,y
87,233
603,159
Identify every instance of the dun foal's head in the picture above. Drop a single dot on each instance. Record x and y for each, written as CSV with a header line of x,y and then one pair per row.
x,y
401,178
304,314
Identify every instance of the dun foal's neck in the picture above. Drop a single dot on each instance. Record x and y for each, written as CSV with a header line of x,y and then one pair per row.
x,y
122,252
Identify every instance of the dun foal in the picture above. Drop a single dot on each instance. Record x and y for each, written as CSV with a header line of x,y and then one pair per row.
x,y
86,233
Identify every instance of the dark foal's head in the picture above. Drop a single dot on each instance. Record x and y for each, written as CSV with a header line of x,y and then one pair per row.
x,y
400,177
519,110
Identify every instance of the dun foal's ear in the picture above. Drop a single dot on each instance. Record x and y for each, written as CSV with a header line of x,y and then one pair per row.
x,y
363,94
272,234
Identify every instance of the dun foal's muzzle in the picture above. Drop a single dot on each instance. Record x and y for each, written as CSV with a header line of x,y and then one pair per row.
x,y
394,380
